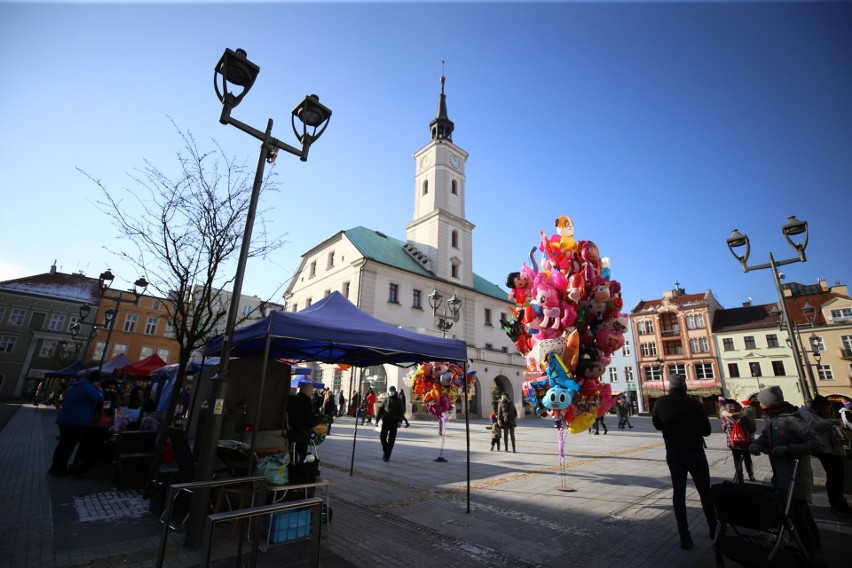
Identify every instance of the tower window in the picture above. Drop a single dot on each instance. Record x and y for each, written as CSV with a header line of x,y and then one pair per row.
x,y
454,238
454,188
454,268
425,186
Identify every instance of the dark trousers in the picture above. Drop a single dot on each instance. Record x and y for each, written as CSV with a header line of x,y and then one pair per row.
x,y
741,456
803,520
69,437
833,466
388,436
92,450
508,432
694,463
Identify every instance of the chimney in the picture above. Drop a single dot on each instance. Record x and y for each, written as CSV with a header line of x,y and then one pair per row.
x,y
53,269
822,285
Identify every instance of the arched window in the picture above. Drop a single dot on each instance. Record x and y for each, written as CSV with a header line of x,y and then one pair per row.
x,y
454,238
454,188
425,186
454,267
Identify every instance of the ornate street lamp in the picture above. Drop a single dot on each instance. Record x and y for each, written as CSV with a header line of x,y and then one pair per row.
x,y
444,320
792,228
660,363
105,281
233,77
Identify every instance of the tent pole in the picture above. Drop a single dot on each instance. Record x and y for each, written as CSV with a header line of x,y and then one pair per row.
x,y
467,429
355,432
262,386
191,410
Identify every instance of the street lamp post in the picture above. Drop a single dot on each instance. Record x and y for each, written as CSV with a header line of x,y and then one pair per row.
x,y
444,320
660,368
792,228
111,315
235,70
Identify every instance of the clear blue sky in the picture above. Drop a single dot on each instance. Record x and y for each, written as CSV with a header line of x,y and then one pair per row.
x,y
658,127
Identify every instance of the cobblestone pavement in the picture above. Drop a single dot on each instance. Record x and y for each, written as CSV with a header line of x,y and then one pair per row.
x,y
608,500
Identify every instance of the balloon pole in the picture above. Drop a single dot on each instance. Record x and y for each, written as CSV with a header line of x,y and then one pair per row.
x,y
560,440
442,424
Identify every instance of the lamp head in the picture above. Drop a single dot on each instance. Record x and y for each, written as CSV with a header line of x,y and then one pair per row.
x,y
108,315
795,227
314,115
454,304
84,311
737,240
234,68
815,346
435,299
105,280
139,286
75,329
777,314
810,312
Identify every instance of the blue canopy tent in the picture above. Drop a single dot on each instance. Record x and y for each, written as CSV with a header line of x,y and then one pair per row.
x,y
109,367
334,330
72,370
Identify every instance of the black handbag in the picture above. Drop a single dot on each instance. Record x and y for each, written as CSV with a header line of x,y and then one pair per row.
x,y
306,470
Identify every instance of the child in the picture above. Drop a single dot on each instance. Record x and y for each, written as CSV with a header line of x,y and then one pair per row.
x,y
496,433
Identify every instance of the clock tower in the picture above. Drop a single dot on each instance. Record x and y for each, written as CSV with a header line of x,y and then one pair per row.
x,y
439,229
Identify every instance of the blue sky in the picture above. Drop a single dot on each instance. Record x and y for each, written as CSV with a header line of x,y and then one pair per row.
x,y
658,127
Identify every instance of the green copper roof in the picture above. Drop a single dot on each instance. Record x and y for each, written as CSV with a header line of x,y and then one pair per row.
x,y
384,249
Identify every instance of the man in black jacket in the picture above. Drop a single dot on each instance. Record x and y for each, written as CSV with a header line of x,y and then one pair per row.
x,y
301,418
392,417
685,425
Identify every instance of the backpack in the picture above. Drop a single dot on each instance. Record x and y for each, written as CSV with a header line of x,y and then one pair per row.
x,y
739,436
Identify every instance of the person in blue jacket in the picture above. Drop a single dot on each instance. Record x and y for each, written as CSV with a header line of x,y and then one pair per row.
x,y
76,418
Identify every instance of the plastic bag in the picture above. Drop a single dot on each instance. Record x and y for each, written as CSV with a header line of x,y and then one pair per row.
x,y
739,437
275,468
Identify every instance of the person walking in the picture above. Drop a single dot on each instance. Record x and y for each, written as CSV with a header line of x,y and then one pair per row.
x,y
818,417
393,413
370,400
507,420
622,410
786,437
75,419
341,404
356,407
329,409
404,406
599,421
739,428
684,425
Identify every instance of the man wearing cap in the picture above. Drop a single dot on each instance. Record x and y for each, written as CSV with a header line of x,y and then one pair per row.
x,y
787,437
392,417
818,417
685,425
76,418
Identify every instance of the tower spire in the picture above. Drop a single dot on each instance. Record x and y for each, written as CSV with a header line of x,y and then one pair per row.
x,y
442,126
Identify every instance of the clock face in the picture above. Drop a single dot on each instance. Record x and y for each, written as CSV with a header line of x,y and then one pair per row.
x,y
425,162
454,161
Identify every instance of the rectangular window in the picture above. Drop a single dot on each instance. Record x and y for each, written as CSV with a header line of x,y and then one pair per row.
x,y
330,264
170,329
846,345
246,311
313,271
318,375
653,373
119,348
488,317
7,343
733,370
772,340
754,369
151,326
308,302
393,293
345,289
164,354
673,347
749,342
699,345
648,349
778,368
677,370
825,373
156,304
704,371
146,351
130,323
625,350
646,327
695,321
613,375
816,341
728,344
489,346
99,351
416,299
628,374
16,316
48,348
841,315
57,322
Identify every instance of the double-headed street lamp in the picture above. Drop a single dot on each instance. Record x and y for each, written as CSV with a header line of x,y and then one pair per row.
x,y
76,327
792,228
309,120
444,320
661,368
111,315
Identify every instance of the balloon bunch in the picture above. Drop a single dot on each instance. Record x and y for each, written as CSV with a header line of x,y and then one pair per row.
x,y
439,385
567,322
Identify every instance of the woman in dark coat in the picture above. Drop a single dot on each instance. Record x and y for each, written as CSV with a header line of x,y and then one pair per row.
x,y
507,419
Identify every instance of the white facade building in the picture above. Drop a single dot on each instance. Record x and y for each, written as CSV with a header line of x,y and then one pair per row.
x,y
392,279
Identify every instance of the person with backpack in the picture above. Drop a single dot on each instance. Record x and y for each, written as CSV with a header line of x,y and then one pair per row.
x,y
739,427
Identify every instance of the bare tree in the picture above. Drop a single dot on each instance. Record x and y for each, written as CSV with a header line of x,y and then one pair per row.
x,y
184,231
